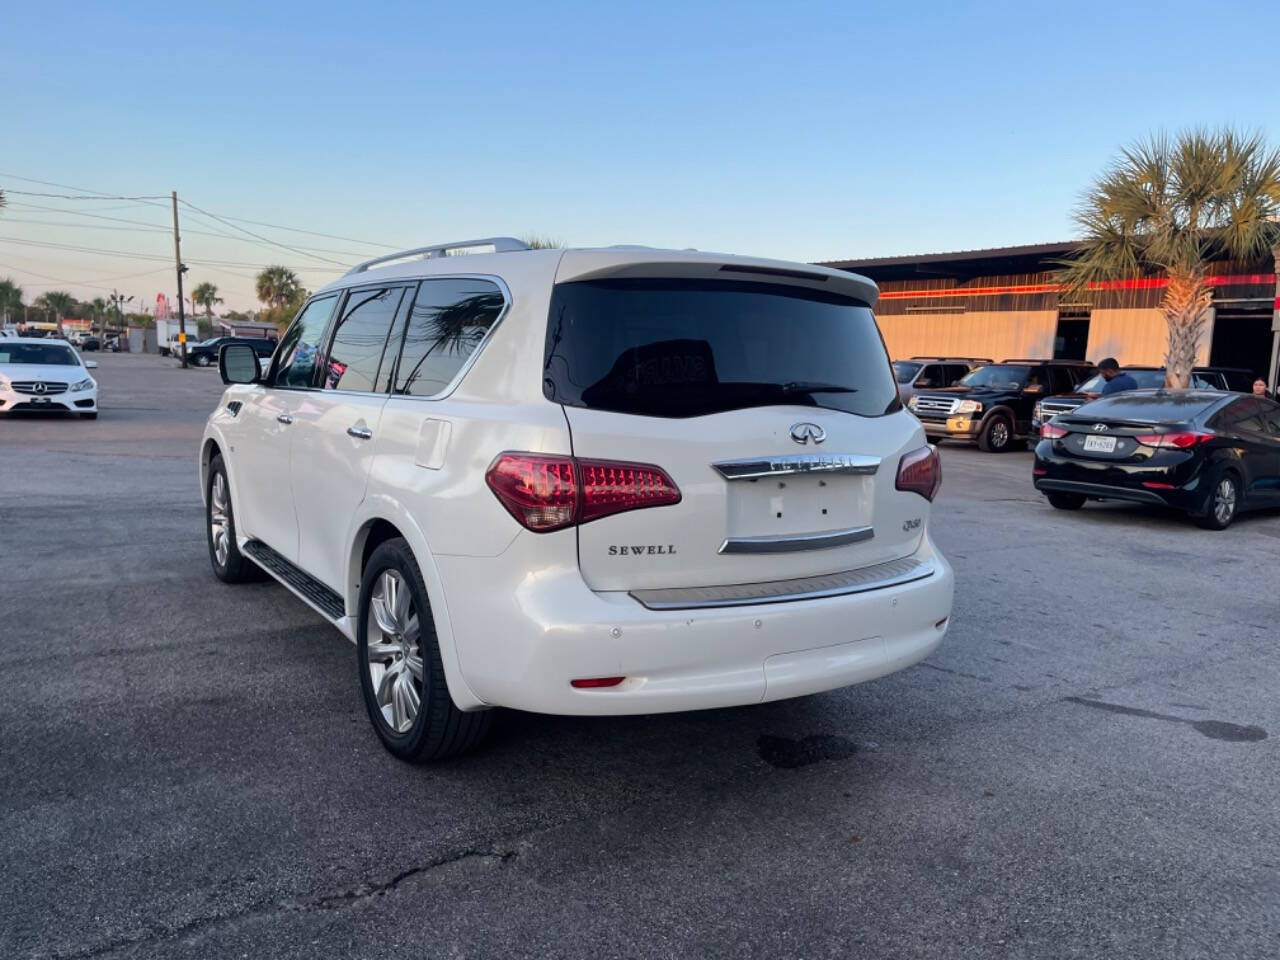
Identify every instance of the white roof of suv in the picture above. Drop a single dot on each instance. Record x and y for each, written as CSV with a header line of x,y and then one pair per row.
x,y
514,261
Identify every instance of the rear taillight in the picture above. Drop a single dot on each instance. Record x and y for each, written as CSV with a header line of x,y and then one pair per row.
x,y
1173,441
1049,431
549,493
920,471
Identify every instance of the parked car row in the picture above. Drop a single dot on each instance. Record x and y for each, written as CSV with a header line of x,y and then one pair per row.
x,y
1202,378
994,404
205,353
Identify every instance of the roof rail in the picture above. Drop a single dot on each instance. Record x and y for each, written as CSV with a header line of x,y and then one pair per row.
x,y
499,244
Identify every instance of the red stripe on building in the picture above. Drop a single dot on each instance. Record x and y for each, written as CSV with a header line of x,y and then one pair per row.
x,y
1134,283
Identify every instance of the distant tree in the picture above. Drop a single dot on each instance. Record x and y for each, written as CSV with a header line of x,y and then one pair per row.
x,y
58,303
1168,207
278,286
539,241
206,295
237,316
10,298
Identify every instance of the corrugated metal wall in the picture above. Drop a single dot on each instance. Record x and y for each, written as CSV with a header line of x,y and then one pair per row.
x,y
995,334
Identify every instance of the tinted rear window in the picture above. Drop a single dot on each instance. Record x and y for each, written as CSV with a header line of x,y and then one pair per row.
x,y
1149,406
685,348
905,372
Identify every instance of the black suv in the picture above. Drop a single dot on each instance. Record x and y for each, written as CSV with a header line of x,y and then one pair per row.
x,y
1229,379
205,353
994,404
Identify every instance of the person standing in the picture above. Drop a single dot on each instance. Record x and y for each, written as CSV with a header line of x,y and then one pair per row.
x,y
1117,381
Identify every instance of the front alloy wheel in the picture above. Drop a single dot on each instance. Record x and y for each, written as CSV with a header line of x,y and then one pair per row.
x,y
229,564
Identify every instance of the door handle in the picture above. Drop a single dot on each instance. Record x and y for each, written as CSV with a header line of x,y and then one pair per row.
x,y
360,433
284,418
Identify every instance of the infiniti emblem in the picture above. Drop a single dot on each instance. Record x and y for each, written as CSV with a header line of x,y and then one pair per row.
x,y
1099,427
40,387
807,432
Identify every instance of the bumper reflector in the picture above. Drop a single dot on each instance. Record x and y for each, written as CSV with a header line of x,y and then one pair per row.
x,y
591,683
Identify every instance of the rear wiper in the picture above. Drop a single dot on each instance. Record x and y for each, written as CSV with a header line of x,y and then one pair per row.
x,y
811,386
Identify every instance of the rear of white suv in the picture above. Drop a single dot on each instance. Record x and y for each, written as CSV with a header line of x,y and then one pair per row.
x,y
591,482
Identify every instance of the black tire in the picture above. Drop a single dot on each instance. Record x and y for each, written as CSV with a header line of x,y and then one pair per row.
x,y
439,730
235,567
997,434
89,416
1066,501
1221,506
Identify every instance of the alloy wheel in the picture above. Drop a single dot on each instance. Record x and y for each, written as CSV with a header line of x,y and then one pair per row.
x,y
220,519
999,434
1224,501
394,657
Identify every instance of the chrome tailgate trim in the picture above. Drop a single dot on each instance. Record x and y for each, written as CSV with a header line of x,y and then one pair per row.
x,y
892,573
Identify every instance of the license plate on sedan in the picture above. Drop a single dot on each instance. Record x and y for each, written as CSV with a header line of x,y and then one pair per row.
x,y
1100,444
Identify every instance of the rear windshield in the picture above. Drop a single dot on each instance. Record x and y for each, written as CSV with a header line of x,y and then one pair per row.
x,y
1002,375
1149,406
685,348
904,372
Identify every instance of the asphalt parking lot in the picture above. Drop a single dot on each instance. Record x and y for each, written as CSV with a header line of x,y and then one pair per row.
x,y
1088,767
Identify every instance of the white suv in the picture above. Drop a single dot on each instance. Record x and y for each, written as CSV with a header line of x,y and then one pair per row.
x,y
606,481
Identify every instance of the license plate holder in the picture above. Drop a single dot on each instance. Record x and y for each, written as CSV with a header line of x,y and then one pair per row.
x,y
1100,444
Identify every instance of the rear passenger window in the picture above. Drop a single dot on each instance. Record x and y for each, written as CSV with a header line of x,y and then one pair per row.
x,y
359,340
448,320
296,366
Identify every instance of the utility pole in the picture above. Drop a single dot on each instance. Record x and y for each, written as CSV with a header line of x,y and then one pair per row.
x,y
177,256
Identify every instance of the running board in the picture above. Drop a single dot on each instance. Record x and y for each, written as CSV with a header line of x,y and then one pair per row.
x,y
302,583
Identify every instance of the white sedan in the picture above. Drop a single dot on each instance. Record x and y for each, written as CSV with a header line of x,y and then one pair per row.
x,y
46,375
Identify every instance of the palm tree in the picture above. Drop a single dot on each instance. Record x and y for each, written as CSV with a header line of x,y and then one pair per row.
x,y
278,286
1169,207
10,298
98,309
206,294
57,302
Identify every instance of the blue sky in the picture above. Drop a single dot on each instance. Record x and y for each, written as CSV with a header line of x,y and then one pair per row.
x,y
798,130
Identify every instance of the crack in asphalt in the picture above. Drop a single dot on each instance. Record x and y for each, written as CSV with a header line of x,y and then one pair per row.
x,y
352,896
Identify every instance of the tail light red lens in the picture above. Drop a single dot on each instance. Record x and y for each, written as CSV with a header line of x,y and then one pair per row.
x,y
920,471
1173,441
1050,431
550,493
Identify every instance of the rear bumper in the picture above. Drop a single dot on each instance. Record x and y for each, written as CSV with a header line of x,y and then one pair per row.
x,y
1176,485
520,646
955,428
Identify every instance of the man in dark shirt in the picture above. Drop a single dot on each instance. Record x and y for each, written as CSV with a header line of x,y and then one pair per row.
x,y
1117,382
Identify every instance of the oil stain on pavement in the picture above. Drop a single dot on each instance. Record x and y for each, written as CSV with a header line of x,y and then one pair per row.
x,y
788,754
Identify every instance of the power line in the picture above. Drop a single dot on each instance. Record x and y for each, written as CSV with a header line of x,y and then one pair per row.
x,y
95,283
257,236
137,255
154,226
150,201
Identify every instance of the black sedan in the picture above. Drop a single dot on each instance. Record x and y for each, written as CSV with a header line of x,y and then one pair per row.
x,y
1209,453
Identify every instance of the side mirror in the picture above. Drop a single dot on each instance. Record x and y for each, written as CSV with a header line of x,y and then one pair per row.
x,y
924,383
238,363
1033,388
91,364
